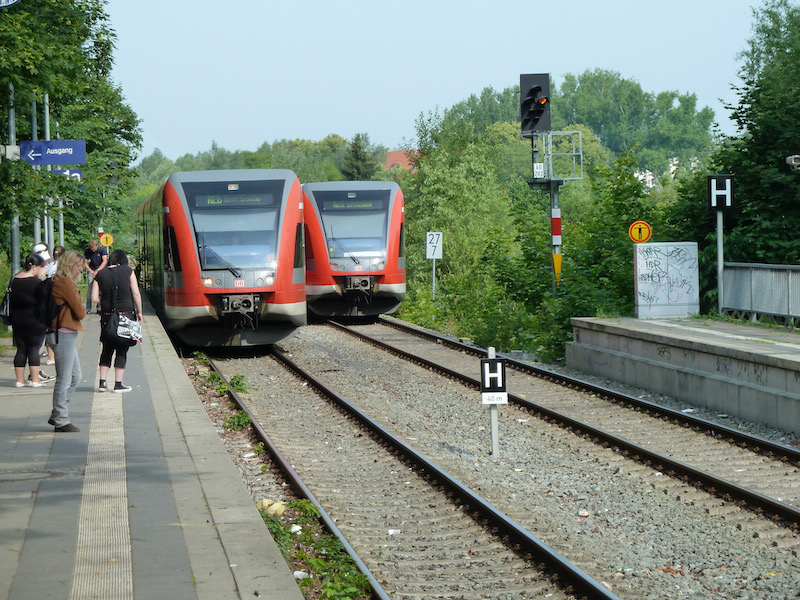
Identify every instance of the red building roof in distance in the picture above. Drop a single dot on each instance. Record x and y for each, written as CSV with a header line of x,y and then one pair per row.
x,y
397,159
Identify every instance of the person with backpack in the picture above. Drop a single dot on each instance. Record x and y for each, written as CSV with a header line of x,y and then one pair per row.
x,y
28,327
49,267
117,275
64,335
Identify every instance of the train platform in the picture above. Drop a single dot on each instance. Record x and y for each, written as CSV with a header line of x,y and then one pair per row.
x,y
746,370
144,502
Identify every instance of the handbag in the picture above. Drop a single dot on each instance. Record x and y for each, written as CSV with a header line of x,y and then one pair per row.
x,y
5,307
119,329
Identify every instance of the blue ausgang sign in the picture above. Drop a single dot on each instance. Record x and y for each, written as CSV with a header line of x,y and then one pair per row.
x,y
54,152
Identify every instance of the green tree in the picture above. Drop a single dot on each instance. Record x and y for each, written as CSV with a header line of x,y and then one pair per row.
x,y
359,163
43,46
765,223
153,170
666,127
64,48
765,228
466,122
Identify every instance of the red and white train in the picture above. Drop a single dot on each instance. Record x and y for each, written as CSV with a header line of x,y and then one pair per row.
x,y
222,256
355,248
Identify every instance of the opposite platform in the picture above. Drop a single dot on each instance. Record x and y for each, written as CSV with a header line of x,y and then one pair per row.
x,y
144,502
749,371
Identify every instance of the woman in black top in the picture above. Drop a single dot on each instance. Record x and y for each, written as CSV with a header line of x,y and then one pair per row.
x,y
129,303
28,328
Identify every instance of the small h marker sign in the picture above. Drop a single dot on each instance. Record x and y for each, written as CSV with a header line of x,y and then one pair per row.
x,y
493,381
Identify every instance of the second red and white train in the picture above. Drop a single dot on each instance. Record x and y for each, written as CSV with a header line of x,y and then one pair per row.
x,y
239,257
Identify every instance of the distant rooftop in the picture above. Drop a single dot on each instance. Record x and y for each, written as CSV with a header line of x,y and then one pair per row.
x,y
397,159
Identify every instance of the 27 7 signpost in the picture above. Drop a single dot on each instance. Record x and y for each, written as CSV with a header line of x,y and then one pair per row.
x,y
433,250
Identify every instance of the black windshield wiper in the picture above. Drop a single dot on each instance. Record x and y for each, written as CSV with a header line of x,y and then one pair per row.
x,y
204,249
345,250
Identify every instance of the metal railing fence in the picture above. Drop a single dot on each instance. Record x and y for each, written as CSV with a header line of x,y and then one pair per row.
x,y
761,289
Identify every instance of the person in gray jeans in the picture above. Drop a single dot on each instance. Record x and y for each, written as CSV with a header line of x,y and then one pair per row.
x,y
64,335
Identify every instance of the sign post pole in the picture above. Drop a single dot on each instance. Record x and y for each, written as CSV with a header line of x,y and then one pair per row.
x,y
720,263
720,198
493,421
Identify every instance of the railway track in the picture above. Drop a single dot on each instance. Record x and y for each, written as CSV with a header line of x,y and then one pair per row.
x,y
624,523
729,464
416,531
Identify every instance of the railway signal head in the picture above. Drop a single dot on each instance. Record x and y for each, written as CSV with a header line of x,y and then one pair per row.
x,y
534,93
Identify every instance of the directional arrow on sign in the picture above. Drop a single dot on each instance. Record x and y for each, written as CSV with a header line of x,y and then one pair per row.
x,y
54,152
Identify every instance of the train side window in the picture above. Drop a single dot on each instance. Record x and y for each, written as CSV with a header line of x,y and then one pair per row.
x,y
172,258
299,248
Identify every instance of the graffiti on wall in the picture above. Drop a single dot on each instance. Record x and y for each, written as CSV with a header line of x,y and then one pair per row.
x,y
667,280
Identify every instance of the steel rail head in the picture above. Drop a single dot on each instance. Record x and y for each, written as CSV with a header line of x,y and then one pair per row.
x,y
299,486
518,535
715,485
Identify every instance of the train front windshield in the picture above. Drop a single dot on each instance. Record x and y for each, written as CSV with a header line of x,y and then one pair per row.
x,y
354,222
235,224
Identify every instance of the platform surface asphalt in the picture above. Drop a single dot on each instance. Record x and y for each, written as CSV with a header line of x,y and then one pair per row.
x,y
143,503
774,342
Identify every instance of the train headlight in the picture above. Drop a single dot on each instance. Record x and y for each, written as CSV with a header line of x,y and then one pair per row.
x,y
334,267
208,281
378,266
269,280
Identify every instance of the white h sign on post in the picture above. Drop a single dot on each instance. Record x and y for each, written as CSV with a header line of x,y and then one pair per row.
x,y
720,198
493,392
720,192
493,381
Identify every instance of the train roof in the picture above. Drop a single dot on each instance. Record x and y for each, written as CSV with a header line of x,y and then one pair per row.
x,y
232,174
350,185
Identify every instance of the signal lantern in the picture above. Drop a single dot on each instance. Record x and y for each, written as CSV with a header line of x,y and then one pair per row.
x,y
534,93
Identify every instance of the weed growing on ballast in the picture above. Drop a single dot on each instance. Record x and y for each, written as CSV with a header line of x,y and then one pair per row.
x,y
238,420
312,550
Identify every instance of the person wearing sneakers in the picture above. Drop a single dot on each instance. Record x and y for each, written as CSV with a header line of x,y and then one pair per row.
x,y
28,329
64,335
49,268
128,302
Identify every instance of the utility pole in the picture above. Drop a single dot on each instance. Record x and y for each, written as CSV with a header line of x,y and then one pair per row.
x,y
13,257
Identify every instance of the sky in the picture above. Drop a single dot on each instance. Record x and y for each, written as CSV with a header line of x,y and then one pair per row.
x,y
239,73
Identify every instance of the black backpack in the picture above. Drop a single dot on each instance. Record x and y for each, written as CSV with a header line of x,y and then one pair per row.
x,y
47,307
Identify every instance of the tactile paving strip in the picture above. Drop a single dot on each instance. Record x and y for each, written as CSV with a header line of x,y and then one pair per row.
x,y
103,566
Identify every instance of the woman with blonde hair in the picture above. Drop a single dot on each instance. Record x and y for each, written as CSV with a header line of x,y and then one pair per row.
x,y
65,328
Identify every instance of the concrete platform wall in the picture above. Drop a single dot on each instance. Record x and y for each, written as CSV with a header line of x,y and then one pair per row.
x,y
754,379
